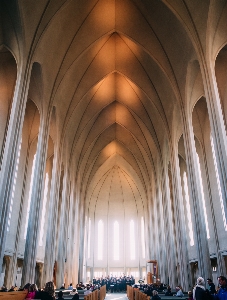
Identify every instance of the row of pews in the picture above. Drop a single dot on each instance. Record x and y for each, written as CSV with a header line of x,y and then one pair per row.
x,y
21,295
135,294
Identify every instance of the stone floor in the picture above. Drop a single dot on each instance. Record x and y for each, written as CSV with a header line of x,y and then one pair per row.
x,y
116,296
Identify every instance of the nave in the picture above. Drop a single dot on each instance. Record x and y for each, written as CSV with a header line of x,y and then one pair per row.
x,y
113,144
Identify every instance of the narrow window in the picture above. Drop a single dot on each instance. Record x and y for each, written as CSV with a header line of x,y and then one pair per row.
x,y
218,184
203,199
116,240
100,240
142,237
89,239
44,210
132,240
189,217
30,196
14,187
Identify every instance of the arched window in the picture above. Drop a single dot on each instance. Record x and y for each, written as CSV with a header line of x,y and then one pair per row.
x,y
14,187
189,217
218,184
132,240
116,240
203,199
100,239
44,210
30,196
142,238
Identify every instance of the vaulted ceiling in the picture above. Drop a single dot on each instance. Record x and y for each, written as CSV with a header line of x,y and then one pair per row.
x,y
115,71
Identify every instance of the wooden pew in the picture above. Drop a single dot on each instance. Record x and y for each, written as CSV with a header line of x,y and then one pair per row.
x,y
102,293
21,295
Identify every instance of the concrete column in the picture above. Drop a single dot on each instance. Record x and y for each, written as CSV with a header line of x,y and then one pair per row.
x,y
169,232
13,261
11,150
196,202
161,237
63,237
76,243
205,171
52,219
217,124
182,259
81,247
71,235
28,273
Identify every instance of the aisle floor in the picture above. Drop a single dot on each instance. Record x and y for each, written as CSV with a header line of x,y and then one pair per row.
x,y
116,296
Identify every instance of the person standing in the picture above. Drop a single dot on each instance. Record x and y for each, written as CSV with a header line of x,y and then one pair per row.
x,y
222,293
199,291
211,288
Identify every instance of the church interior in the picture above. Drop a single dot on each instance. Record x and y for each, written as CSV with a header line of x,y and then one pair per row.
x,y
113,144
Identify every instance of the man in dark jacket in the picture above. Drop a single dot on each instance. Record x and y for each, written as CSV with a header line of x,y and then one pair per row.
x,y
211,288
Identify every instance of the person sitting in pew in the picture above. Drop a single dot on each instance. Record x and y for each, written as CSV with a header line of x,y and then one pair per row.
x,y
74,291
88,291
179,291
155,295
76,296
62,287
60,295
169,292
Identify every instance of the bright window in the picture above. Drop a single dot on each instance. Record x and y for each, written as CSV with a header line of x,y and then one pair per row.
x,y
132,240
14,187
142,238
218,184
44,210
116,240
203,199
30,196
189,217
89,239
100,239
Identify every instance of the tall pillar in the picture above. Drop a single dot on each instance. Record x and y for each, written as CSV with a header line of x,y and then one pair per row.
x,y
49,258
218,133
217,124
81,251
179,221
11,150
13,261
196,201
63,237
169,232
28,273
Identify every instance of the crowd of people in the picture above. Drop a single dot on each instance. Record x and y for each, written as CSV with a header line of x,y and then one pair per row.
x,y
119,284
47,293
199,291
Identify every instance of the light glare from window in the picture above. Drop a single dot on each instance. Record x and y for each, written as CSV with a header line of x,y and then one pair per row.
x,y
100,239
116,240
132,240
30,196
218,183
203,199
189,217
142,237
44,210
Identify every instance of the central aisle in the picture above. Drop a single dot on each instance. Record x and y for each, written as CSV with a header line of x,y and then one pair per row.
x,y
116,296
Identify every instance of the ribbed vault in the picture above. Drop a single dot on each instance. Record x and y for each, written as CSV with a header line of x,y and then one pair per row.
x,y
115,82
111,61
